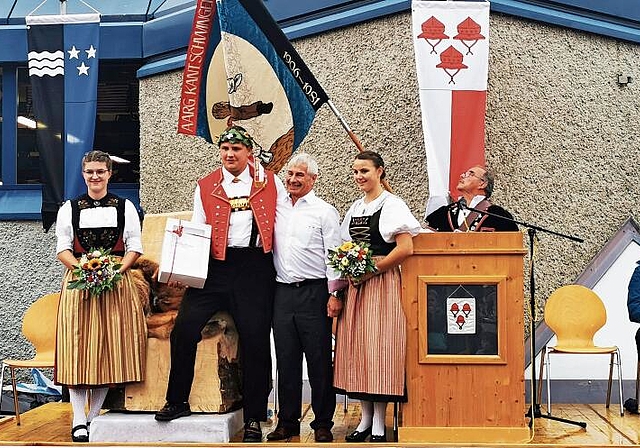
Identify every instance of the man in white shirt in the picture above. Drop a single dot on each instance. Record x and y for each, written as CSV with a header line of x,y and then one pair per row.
x,y
239,201
308,296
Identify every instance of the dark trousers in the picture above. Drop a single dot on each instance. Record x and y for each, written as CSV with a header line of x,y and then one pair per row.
x,y
243,285
301,326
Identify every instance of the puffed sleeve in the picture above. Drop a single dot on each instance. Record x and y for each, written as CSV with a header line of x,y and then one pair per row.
x,y
132,234
396,218
64,229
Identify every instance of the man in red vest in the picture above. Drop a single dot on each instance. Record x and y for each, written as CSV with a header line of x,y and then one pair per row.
x,y
239,201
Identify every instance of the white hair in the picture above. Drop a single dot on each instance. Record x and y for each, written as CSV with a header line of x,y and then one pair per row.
x,y
302,158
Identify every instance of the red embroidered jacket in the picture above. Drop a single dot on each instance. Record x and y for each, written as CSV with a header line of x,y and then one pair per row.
x,y
218,210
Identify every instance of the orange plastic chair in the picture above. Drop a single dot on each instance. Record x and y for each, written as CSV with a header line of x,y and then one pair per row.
x,y
575,313
39,327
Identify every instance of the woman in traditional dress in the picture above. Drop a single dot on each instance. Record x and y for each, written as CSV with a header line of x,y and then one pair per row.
x,y
101,340
371,330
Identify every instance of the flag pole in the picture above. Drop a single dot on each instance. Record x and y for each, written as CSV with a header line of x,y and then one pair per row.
x,y
353,136
63,7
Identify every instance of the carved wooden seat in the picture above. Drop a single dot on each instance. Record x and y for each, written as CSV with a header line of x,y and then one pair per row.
x,y
216,385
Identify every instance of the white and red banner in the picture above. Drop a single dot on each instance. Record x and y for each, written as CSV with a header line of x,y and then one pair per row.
x,y
451,42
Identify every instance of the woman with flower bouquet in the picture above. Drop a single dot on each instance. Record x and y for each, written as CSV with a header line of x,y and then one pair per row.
x,y
378,231
101,336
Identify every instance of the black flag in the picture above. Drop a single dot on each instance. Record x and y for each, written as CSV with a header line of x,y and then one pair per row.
x,y
63,69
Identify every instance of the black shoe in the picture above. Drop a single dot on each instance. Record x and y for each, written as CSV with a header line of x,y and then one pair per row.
x,y
322,435
282,432
84,438
171,411
379,439
252,432
358,436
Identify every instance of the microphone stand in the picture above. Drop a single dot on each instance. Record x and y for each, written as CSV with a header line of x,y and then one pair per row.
x,y
534,410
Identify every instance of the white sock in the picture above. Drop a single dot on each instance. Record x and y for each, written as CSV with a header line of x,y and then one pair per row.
x,y
78,398
367,414
379,414
96,398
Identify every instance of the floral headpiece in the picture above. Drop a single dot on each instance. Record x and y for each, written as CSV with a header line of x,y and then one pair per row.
x,y
236,134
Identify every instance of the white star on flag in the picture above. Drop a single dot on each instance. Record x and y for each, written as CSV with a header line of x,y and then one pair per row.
x,y
91,52
83,69
73,53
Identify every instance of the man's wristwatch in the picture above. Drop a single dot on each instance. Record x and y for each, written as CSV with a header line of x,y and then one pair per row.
x,y
338,294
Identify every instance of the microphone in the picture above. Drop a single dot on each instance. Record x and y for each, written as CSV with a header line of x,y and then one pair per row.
x,y
462,203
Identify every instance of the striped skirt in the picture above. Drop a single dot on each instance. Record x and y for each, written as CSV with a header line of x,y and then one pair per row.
x,y
371,333
100,340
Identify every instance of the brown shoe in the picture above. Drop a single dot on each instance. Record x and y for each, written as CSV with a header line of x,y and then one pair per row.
x,y
323,435
283,433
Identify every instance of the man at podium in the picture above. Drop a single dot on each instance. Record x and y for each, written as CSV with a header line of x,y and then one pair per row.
x,y
466,215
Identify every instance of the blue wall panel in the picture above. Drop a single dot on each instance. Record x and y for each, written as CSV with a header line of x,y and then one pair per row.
x,y
121,40
623,9
168,33
287,9
13,47
117,41
605,26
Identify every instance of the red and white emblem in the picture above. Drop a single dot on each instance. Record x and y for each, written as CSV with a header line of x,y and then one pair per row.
x,y
451,43
461,316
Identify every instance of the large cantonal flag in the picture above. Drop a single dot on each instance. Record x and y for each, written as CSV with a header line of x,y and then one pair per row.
x,y
63,69
241,68
451,41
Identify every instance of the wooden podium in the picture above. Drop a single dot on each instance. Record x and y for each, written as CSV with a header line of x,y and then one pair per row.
x,y
463,298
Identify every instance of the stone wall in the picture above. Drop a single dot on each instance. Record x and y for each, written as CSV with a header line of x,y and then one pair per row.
x,y
561,138
29,269
560,130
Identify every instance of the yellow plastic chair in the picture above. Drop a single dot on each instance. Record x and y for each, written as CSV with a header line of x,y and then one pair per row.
x,y
39,327
575,313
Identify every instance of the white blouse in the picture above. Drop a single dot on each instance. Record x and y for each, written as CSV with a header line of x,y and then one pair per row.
x,y
92,218
395,218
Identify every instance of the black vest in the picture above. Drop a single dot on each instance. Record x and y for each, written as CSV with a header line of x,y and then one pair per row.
x,y
101,237
367,229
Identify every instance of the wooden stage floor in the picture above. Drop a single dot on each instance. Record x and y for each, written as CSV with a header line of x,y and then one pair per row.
x,y
49,425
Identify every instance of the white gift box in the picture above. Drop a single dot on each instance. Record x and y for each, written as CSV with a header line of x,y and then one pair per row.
x,y
185,253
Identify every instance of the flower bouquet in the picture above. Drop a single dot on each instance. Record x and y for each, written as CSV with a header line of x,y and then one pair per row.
x,y
352,259
97,271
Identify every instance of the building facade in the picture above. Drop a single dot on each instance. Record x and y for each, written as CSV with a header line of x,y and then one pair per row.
x,y
560,125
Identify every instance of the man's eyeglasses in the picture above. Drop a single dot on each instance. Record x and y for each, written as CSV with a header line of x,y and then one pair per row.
x,y
471,174
98,173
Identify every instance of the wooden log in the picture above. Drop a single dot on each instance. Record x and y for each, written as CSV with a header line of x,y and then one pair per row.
x,y
216,385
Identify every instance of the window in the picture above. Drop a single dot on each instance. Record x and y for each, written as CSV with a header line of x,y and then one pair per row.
x,y
117,128
117,131
117,121
28,160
